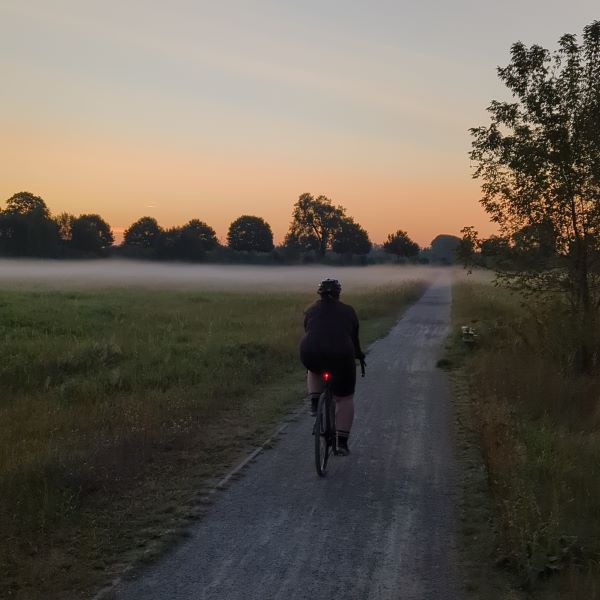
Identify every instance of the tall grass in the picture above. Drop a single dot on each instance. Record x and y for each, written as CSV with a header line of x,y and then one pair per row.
x,y
539,425
109,397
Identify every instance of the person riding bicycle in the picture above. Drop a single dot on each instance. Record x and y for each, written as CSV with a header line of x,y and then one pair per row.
x,y
331,343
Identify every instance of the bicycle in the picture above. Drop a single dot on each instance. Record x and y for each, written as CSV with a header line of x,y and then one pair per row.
x,y
324,427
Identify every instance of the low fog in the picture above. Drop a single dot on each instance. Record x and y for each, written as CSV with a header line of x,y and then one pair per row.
x,y
122,273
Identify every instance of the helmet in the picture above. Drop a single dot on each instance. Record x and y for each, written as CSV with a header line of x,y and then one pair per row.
x,y
330,287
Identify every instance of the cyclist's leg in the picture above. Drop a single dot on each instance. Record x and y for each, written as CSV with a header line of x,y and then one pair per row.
x,y
312,361
314,383
344,416
343,390
344,412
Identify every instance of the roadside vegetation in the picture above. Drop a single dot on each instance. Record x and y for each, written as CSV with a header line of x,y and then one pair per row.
x,y
538,424
119,408
533,375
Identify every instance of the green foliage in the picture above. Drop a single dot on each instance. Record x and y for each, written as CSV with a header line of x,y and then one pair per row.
x,y
250,234
91,234
401,245
143,233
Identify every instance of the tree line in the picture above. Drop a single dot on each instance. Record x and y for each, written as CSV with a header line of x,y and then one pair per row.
x,y
318,227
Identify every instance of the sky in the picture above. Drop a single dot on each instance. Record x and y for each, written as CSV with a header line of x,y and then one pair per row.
x,y
211,110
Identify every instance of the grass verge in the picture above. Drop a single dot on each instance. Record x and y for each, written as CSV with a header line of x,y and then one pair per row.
x,y
538,427
121,408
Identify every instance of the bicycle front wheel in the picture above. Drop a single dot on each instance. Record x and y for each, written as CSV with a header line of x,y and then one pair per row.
x,y
322,434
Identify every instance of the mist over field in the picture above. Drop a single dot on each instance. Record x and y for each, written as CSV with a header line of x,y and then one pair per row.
x,y
123,273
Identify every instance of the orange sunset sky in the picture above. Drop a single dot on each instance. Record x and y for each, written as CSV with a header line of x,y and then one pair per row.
x,y
211,110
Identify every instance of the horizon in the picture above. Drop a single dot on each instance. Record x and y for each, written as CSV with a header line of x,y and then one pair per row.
x,y
211,112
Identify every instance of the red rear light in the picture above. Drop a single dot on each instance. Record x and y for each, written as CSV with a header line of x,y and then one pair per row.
x,y
326,376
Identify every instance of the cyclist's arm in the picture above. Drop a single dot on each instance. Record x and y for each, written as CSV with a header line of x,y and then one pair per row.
x,y
358,353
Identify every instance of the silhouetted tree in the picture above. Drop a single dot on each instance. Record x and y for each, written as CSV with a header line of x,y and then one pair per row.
x,y
401,245
64,223
197,234
534,245
189,242
25,203
443,249
249,233
350,238
468,246
144,233
495,247
91,234
167,244
539,161
26,227
314,223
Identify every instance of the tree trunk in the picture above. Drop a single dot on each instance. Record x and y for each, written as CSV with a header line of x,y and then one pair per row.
x,y
587,317
322,247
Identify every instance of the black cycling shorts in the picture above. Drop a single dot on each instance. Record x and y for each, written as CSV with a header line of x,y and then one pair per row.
x,y
341,366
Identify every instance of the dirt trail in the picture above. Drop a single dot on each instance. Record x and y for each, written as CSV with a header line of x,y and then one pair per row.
x,y
379,526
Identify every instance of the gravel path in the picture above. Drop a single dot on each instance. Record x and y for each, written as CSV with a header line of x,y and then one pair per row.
x,y
379,526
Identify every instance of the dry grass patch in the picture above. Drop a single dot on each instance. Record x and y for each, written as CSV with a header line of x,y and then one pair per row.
x,y
539,427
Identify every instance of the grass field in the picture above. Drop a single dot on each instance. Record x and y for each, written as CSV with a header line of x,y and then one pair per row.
x,y
120,407
539,427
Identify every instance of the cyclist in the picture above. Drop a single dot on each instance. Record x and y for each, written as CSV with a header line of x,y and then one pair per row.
x,y
331,344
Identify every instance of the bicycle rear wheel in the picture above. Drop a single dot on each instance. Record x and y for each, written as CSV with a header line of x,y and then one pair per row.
x,y
322,433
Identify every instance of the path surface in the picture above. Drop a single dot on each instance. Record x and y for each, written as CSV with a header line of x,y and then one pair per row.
x,y
379,526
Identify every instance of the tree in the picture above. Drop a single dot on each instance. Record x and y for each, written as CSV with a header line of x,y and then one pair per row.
x,y
64,223
143,233
189,242
494,247
26,227
167,244
401,245
250,234
535,245
350,238
539,162
91,234
468,246
314,223
25,203
444,248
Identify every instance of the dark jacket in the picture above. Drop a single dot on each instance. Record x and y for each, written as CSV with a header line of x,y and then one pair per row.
x,y
331,328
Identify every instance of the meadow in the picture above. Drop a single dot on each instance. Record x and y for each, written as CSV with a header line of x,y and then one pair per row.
x,y
121,407
538,424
